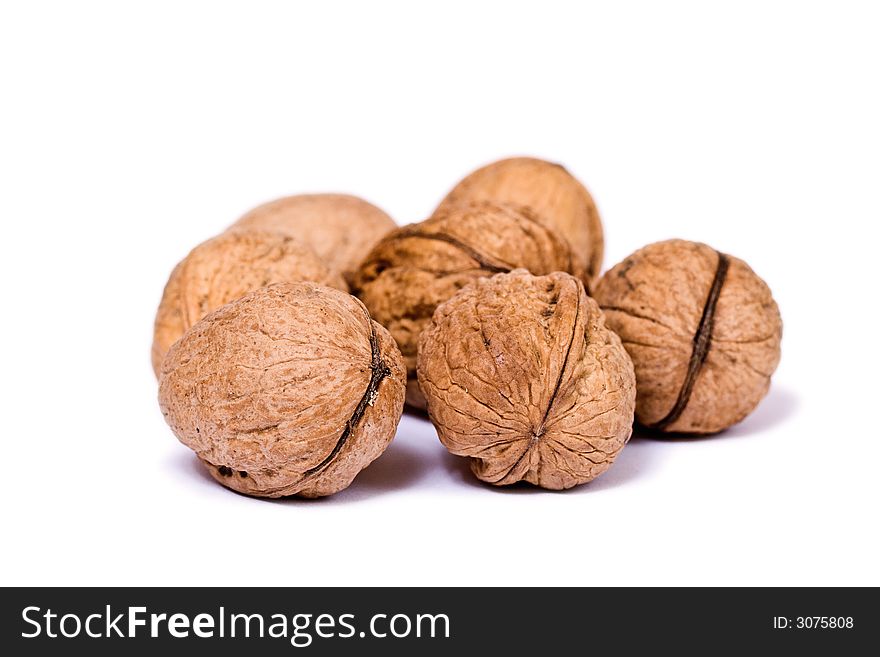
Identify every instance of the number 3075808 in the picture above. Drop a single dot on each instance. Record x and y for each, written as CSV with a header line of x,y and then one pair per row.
x,y
813,622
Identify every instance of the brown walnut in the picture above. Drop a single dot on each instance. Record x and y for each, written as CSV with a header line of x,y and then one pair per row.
x,y
522,376
225,268
703,332
419,266
340,228
551,192
291,389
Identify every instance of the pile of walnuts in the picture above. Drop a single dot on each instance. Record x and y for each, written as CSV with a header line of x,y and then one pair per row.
x,y
287,346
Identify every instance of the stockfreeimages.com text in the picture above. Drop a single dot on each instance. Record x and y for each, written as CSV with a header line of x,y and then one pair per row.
x,y
300,629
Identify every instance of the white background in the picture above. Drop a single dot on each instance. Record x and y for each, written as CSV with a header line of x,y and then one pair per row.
x,y
129,133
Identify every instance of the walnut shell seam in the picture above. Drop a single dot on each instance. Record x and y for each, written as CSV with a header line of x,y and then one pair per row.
x,y
522,377
539,430
379,370
702,344
484,262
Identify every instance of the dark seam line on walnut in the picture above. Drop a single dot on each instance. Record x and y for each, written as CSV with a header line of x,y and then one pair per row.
x,y
482,260
532,216
378,371
577,312
702,342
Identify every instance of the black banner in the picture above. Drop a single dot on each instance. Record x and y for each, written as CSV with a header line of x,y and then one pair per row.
x,y
319,621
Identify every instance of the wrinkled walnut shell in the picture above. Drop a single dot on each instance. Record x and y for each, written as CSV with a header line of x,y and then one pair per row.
x,y
552,192
703,332
291,389
341,229
225,268
522,376
419,266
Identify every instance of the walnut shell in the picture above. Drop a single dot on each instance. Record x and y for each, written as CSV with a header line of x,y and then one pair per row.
x,y
522,376
340,228
291,389
417,267
225,268
703,332
552,192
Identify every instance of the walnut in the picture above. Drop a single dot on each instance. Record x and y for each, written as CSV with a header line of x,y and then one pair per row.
x,y
341,229
417,267
522,376
549,190
224,268
703,332
291,389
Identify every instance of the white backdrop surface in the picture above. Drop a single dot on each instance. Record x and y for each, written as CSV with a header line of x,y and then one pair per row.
x,y
130,133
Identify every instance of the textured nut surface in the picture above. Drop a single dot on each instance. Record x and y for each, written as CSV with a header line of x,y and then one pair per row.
x,y
291,389
703,332
417,267
340,228
522,376
552,192
225,268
